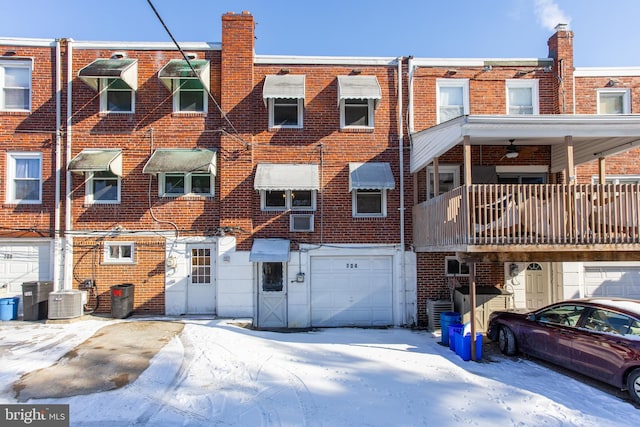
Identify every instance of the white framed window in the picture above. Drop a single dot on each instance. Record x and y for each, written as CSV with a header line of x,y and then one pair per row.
x,y
452,97
15,85
180,184
282,200
356,113
617,179
522,96
285,112
369,203
116,96
102,188
453,267
24,178
189,96
614,101
448,179
119,253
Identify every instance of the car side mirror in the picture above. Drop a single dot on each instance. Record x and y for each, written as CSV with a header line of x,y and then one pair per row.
x,y
531,317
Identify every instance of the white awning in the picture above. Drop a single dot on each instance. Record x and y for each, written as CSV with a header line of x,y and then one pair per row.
x,y
283,86
124,69
181,160
593,136
274,176
269,250
178,69
370,176
359,87
97,161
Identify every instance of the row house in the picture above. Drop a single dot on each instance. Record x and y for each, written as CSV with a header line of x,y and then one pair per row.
x,y
305,191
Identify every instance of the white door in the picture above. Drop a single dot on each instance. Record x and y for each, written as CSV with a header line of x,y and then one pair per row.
x,y
272,295
612,281
536,285
201,290
24,262
351,291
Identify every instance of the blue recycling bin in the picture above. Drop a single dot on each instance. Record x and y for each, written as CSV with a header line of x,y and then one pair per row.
x,y
448,318
9,308
453,330
463,346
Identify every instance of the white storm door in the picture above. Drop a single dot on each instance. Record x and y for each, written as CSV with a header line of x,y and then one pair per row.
x,y
201,290
272,295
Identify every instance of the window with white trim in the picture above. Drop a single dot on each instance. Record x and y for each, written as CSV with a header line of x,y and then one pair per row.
x,y
102,188
356,113
448,179
522,96
282,200
453,267
369,203
189,96
452,97
118,252
617,179
285,112
24,178
614,101
179,184
116,96
15,85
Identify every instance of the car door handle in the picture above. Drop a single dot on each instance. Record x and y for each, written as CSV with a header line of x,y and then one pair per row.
x,y
622,343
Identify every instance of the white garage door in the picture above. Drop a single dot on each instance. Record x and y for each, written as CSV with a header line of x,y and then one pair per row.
x,y
610,281
24,262
351,291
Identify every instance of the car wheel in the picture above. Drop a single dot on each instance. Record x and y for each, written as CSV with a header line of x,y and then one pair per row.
x,y
633,384
506,341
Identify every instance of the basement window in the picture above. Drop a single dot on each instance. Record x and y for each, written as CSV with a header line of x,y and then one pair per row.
x,y
118,253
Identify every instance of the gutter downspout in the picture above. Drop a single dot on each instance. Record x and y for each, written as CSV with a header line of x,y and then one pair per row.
x,y
403,284
57,238
68,241
411,70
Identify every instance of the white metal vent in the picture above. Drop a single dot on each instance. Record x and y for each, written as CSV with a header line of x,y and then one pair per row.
x,y
434,308
65,304
301,222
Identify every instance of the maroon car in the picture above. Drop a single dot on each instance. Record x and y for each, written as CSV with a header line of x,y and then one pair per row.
x,y
597,337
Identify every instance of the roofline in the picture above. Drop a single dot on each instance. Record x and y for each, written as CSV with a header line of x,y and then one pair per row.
x,y
480,62
324,60
16,41
128,45
606,71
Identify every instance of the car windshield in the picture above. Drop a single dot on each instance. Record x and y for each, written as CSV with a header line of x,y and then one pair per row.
x,y
561,315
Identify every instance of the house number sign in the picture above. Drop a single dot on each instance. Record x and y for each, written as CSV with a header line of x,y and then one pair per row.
x,y
352,265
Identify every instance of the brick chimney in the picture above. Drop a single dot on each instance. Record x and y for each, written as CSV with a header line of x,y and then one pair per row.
x,y
561,50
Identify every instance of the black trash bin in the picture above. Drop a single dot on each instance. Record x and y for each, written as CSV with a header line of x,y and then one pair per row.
x,y
122,300
35,299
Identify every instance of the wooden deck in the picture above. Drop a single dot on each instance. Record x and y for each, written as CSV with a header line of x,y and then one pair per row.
x,y
545,222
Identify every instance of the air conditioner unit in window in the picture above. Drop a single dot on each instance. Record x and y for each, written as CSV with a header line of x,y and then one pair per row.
x,y
65,304
301,222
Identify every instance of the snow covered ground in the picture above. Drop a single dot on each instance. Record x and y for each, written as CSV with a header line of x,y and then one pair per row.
x,y
217,373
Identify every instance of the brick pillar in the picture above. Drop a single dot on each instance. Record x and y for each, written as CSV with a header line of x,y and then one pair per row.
x,y
561,50
236,163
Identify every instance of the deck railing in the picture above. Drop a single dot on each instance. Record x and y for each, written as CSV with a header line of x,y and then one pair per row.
x,y
529,214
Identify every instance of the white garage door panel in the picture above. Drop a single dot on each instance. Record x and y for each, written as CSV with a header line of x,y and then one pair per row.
x,y
25,262
351,291
613,282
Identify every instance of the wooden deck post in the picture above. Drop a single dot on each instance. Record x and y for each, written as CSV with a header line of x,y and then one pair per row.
x,y
472,302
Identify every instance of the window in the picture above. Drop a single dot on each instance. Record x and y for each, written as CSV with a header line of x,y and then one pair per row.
x,y
15,85
522,178
614,101
116,96
189,96
567,315
118,253
281,200
522,96
24,178
369,203
448,179
178,184
617,179
272,277
102,188
285,112
453,267
452,98
356,113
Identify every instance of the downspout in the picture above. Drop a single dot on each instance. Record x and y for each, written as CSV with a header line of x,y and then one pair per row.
x,y
57,238
410,89
403,284
68,241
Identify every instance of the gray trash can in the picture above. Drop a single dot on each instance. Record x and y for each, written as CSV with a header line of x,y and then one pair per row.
x,y
35,299
122,300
